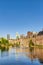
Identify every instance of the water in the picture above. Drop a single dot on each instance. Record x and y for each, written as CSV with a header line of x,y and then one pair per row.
x,y
21,56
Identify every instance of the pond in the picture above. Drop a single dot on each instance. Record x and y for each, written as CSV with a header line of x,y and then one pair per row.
x,y
21,56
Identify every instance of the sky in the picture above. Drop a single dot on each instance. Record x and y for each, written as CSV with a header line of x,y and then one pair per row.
x,y
20,16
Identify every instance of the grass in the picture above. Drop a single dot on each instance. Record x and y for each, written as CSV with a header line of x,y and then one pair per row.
x,y
37,46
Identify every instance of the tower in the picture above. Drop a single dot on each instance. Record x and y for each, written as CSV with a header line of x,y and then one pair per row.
x,y
17,35
8,36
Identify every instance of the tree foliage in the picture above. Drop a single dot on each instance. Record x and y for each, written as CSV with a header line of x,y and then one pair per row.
x,y
31,43
4,41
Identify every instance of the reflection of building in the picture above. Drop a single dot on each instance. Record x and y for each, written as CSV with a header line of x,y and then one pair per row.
x,y
36,53
40,60
8,36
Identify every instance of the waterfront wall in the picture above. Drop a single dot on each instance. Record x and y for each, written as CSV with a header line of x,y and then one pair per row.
x,y
25,41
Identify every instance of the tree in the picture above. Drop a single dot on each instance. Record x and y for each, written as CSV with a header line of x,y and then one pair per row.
x,y
31,43
4,41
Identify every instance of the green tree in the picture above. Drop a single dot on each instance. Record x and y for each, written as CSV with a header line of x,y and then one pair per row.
x,y
30,46
31,43
4,41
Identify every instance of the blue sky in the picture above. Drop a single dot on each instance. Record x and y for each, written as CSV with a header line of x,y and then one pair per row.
x,y
20,16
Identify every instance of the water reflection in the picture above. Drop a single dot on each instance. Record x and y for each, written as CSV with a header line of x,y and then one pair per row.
x,y
24,55
4,52
36,53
